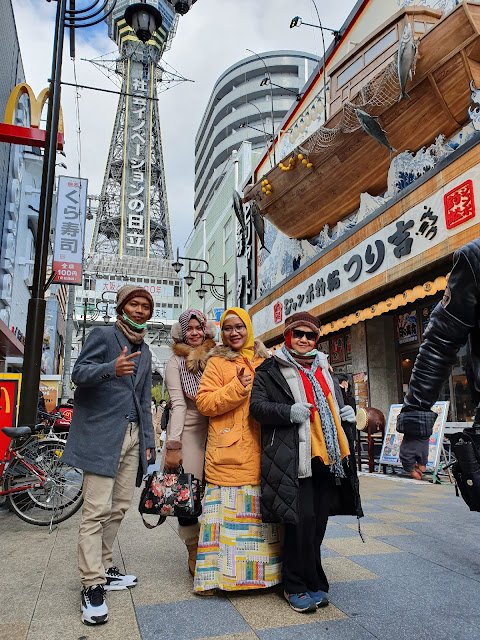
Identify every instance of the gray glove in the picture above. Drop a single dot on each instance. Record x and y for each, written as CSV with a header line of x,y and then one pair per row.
x,y
300,412
347,414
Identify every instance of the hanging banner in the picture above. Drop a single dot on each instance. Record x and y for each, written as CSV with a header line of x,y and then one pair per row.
x,y
70,230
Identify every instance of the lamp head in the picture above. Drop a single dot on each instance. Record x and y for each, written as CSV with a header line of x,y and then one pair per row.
x,y
177,265
296,22
143,19
201,293
264,82
189,279
182,6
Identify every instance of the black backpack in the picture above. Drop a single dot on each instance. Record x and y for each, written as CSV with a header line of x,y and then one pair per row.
x,y
466,469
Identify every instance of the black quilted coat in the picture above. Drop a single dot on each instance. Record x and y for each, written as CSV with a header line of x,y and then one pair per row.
x,y
270,405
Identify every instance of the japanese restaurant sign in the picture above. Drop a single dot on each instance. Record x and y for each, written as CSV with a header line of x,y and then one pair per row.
x,y
70,230
415,232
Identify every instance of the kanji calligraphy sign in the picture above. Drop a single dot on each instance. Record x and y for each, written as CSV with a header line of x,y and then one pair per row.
x,y
70,229
459,204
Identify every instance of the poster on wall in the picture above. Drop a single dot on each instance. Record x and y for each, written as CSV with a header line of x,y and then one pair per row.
x,y
348,346
337,350
406,329
360,389
49,388
393,439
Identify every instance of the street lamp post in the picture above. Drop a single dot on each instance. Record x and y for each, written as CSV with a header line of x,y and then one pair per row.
x,y
218,289
71,19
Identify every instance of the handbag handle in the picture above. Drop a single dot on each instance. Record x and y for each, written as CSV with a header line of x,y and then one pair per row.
x,y
161,520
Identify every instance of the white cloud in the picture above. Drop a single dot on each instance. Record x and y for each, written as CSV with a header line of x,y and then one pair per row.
x,y
212,36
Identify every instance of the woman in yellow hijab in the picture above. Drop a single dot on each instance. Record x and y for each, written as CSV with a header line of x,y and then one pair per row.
x,y
231,512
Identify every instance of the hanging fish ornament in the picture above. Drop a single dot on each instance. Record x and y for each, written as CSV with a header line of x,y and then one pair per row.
x,y
371,126
407,50
238,208
258,223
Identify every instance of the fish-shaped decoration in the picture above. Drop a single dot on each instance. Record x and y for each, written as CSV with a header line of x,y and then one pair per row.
x,y
258,223
238,208
407,50
371,126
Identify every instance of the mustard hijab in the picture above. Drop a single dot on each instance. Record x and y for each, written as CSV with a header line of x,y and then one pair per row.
x,y
247,350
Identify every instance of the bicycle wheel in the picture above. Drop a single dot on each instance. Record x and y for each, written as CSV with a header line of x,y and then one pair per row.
x,y
44,502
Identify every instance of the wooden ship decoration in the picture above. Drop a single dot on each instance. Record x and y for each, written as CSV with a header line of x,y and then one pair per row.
x,y
324,184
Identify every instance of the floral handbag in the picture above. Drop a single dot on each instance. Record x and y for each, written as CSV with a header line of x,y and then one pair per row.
x,y
171,494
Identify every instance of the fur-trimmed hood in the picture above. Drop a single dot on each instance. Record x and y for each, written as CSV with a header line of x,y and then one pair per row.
x,y
195,357
227,353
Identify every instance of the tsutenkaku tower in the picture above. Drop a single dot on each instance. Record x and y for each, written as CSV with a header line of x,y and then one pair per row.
x,y
133,217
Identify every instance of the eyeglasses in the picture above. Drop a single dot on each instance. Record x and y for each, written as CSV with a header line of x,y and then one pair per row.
x,y
239,328
310,335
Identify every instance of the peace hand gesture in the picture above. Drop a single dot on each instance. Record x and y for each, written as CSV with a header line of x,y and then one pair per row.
x,y
245,378
125,365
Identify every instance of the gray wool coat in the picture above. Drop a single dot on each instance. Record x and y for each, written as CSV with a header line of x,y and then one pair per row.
x,y
103,403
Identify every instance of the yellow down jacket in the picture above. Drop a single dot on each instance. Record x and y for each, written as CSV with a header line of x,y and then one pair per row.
x,y
232,455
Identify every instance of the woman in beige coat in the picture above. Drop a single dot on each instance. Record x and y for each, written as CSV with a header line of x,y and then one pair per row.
x,y
187,428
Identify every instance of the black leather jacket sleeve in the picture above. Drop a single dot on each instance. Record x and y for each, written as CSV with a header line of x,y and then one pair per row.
x,y
451,324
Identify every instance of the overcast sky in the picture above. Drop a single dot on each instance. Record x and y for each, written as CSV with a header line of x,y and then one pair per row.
x,y
212,36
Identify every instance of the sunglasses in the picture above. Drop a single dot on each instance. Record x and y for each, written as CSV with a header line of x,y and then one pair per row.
x,y
310,335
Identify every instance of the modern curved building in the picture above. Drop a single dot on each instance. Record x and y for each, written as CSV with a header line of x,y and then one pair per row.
x,y
243,96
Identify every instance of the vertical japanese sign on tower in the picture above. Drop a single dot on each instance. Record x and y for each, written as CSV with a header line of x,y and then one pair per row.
x,y
70,230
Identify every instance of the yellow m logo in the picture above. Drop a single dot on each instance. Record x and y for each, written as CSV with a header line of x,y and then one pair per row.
x,y
36,105
5,396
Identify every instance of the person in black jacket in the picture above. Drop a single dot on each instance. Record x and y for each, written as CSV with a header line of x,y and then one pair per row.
x,y
306,469
453,322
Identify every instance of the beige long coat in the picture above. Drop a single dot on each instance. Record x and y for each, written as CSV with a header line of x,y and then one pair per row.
x,y
186,424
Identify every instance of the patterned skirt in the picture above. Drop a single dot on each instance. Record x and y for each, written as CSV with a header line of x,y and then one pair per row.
x,y
235,549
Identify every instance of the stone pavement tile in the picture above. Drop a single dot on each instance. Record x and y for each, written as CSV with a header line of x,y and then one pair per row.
x,y
355,547
440,552
382,529
335,530
118,626
21,599
249,635
271,610
328,553
445,589
13,631
343,569
397,564
190,619
370,597
411,508
418,624
396,516
331,630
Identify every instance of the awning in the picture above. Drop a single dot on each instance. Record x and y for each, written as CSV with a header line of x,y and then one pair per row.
x,y
9,343
407,297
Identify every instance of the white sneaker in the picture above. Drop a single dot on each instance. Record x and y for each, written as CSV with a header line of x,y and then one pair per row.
x,y
117,580
94,607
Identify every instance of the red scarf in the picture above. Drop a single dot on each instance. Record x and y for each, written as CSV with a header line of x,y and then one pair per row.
x,y
309,390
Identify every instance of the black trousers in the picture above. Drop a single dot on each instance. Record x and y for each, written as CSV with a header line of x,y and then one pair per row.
x,y
302,564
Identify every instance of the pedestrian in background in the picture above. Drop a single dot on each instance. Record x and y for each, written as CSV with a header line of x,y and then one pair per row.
x,y
235,550
306,474
187,428
111,438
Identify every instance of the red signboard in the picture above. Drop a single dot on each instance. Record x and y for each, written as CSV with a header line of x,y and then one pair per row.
x,y
277,312
8,409
459,205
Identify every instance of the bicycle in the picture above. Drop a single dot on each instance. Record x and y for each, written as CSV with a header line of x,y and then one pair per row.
x,y
39,488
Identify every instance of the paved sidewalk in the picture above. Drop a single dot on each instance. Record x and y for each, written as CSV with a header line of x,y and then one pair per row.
x,y
416,577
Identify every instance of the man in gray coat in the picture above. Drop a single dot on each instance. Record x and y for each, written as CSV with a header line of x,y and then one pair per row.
x,y
111,438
